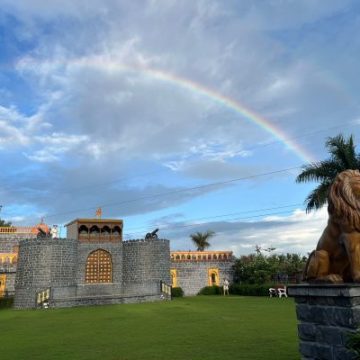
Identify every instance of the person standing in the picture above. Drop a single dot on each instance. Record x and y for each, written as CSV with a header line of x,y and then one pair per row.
x,y
226,287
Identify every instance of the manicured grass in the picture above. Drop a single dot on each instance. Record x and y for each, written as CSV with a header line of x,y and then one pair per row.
x,y
202,327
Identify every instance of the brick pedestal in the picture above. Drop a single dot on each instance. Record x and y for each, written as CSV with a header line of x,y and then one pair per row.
x,y
326,315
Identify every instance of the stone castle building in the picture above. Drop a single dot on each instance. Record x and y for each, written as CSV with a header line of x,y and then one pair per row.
x,y
93,265
193,270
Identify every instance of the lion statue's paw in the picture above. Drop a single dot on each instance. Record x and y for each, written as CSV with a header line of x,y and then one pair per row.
x,y
329,279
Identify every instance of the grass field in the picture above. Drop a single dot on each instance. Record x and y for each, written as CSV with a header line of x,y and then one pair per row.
x,y
202,327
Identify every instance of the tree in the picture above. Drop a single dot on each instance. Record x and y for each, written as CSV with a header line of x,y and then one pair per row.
x,y
342,157
260,269
5,223
201,239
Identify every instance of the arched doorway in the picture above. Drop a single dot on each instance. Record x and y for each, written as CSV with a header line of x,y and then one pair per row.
x,y
173,274
98,267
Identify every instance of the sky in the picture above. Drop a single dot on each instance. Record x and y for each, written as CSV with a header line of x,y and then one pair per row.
x,y
179,115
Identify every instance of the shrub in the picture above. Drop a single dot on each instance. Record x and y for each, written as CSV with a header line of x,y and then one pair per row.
x,y
6,302
211,290
353,342
177,292
250,289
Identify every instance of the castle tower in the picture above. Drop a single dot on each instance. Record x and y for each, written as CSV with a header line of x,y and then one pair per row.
x,y
100,255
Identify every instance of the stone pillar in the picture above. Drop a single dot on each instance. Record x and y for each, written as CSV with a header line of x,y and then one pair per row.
x,y
326,315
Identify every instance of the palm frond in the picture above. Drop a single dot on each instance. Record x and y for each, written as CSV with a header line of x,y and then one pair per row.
x,y
319,171
318,197
343,151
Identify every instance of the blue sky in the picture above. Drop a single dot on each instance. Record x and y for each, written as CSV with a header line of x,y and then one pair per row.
x,y
80,127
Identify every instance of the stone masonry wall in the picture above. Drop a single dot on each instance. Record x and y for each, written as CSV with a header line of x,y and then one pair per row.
x,y
7,242
44,263
192,276
326,315
146,263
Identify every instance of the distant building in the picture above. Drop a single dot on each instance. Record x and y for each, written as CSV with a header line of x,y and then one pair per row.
x,y
9,246
193,270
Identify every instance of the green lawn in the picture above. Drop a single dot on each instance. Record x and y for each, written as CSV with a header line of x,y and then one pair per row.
x,y
202,327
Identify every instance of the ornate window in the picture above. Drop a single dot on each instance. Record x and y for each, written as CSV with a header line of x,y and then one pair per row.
x,y
98,267
83,229
116,230
94,230
106,230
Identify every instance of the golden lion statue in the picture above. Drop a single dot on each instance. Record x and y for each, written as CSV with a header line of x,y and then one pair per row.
x,y
337,255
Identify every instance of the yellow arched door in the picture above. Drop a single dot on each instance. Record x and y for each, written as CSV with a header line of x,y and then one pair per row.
x,y
173,275
213,276
2,285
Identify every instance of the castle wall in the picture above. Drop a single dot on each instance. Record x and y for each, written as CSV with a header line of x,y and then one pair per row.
x,y
146,263
60,264
8,241
45,263
192,276
10,283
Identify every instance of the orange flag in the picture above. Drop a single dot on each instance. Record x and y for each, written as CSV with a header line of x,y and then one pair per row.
x,y
98,212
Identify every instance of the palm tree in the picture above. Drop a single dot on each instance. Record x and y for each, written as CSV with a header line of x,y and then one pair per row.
x,y
201,239
342,157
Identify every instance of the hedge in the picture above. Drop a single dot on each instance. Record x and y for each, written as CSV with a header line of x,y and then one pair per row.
x,y
6,302
211,290
239,289
251,289
177,292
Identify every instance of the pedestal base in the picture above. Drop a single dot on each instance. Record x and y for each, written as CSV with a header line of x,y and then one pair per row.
x,y
326,315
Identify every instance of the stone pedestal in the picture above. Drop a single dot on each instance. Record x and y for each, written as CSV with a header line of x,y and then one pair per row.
x,y
326,315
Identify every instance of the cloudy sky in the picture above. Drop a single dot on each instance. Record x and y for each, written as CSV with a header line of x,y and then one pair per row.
x,y
182,115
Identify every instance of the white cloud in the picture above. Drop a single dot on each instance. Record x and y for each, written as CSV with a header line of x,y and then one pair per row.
x,y
295,233
101,100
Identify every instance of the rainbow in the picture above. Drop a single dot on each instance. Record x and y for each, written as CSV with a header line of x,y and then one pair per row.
x,y
106,64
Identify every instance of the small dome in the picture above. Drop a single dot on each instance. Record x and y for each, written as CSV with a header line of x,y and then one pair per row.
x,y
42,226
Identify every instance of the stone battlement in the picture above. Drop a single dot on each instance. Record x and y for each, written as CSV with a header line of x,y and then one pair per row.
x,y
128,242
177,256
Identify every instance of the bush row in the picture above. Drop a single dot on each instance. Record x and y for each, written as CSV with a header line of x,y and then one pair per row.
x,y
239,289
177,292
211,290
250,289
6,302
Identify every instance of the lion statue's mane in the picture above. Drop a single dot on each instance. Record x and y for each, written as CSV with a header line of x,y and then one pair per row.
x,y
343,206
337,255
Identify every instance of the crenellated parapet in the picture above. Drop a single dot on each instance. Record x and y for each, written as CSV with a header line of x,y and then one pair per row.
x,y
194,256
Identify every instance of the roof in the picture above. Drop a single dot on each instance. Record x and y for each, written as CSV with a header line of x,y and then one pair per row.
x,y
24,229
95,220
